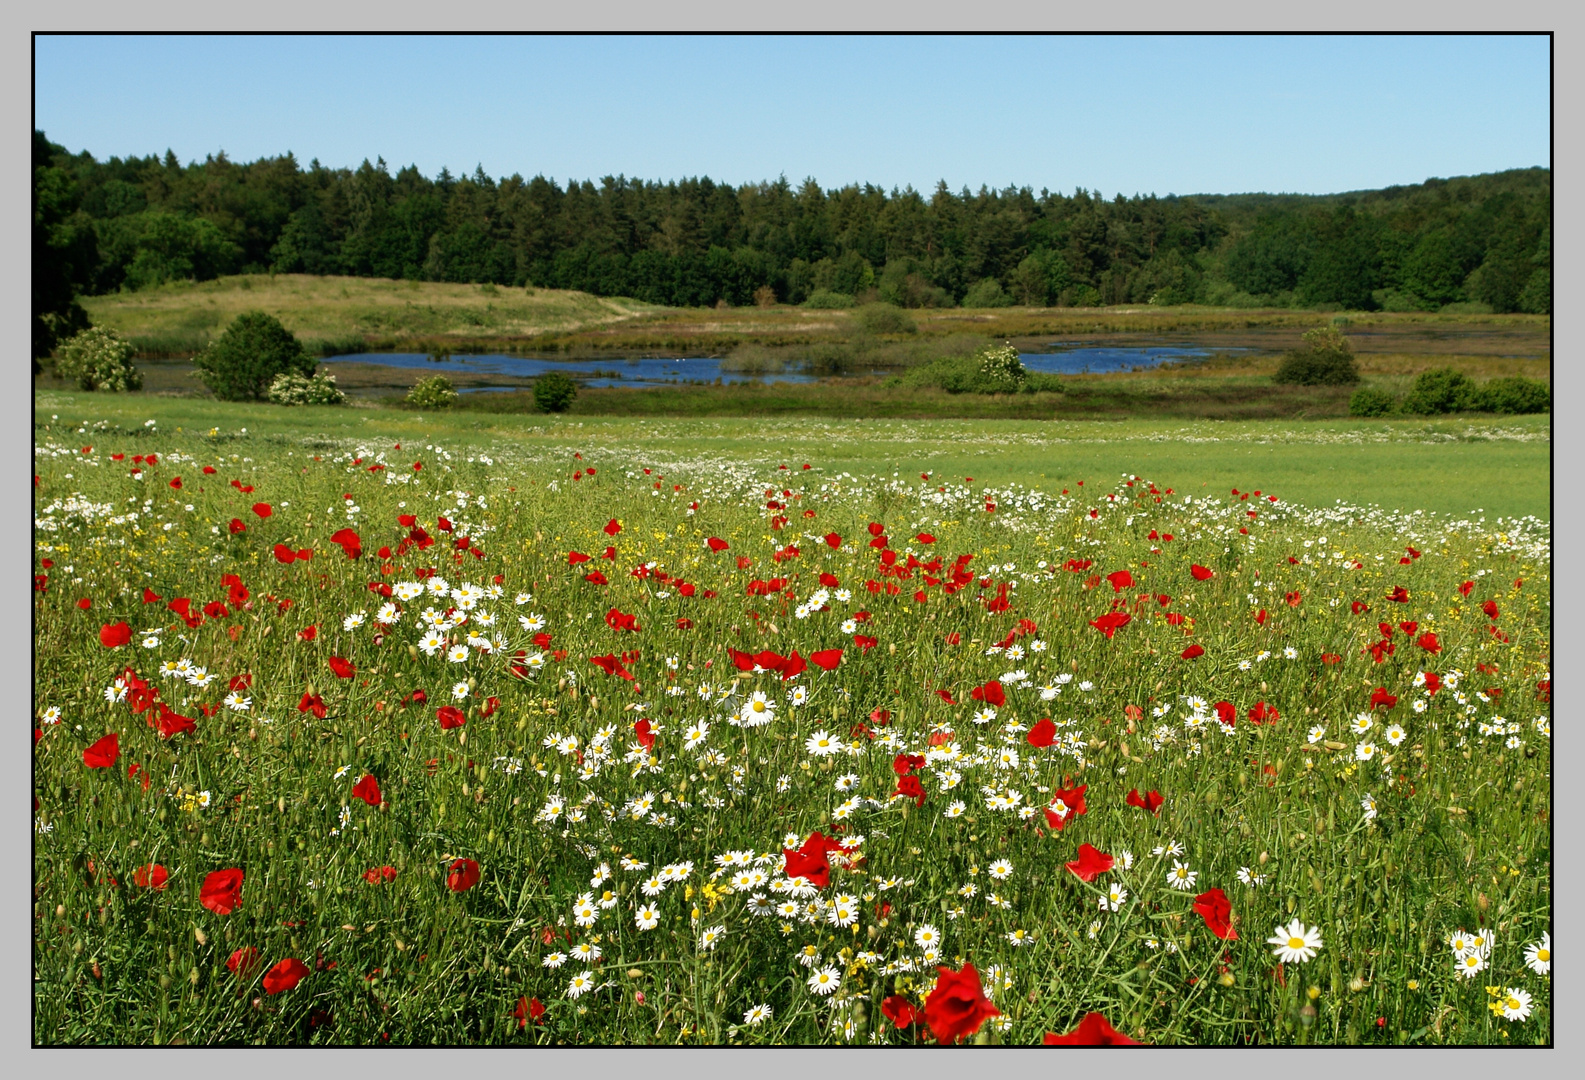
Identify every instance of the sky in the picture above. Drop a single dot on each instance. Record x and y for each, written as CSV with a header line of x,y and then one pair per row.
x,y
1121,115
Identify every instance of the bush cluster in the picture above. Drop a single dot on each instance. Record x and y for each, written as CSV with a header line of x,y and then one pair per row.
x,y
825,299
554,391
435,392
995,369
99,359
1448,390
290,388
1326,359
243,362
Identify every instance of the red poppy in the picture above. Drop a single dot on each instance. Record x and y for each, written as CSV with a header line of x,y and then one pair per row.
x,y
611,665
899,1010
1090,862
284,554
172,724
152,876
284,975
1379,698
903,764
115,635
865,643
717,544
1466,588
957,1006
380,874
1120,580
1043,734
1433,683
809,861
576,557
991,693
243,962
1111,622
1226,713
348,541
367,789
308,633
221,891
1331,658
594,577
342,667
450,717
103,754
1201,573
909,787
617,620
1151,801
832,540
1293,599
612,527
1193,651
464,875
1490,608
1214,908
528,1009
1399,595
925,538
1093,1030
262,509
646,737
490,705
826,659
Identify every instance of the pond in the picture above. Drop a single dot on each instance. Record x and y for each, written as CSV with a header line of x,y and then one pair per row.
x,y
1066,358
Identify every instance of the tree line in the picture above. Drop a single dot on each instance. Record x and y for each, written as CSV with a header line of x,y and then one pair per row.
x,y
133,223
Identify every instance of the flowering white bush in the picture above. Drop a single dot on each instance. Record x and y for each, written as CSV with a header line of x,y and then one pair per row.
x,y
1000,369
289,388
99,359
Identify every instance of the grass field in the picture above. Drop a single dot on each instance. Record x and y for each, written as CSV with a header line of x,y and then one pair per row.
x,y
583,831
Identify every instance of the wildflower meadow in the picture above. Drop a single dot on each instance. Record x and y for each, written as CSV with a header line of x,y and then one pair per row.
x,y
405,743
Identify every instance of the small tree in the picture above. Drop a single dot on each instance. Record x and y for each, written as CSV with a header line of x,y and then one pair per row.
x,y
1443,390
554,391
435,392
99,359
241,364
1325,360
1370,401
1001,372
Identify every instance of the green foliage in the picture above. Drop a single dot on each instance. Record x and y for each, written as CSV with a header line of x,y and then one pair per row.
x,y
554,392
1371,401
175,247
291,388
1515,394
994,369
99,359
885,319
1326,359
987,293
242,363
435,392
824,299
1444,390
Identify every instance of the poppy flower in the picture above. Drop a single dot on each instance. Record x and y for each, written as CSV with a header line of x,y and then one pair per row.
x,y
1429,642
832,540
243,962
809,861
611,665
367,789
528,1009
1261,713
1111,622
1120,580
1093,1030
717,544
925,538
152,876
1399,595
1042,734
612,527
262,509
284,975
348,541
172,724
899,1010
617,620
1193,651
103,754
1214,908
1490,608
991,693
1466,588
1226,713
1331,658
115,635
1379,698
646,737
826,659
1151,801
910,787
594,577
450,717
284,554
1090,862
1433,683
464,875
221,891
1201,573
865,643
379,874
342,667
957,1006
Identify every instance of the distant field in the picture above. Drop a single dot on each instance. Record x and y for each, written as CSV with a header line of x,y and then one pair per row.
x,y
1500,466
351,313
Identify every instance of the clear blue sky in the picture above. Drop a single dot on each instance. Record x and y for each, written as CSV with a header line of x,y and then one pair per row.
x,y
1118,114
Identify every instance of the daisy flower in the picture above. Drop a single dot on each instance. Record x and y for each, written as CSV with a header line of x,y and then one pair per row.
x,y
1514,1005
821,744
1116,896
1001,869
353,621
825,981
581,984
1538,955
757,1015
1316,734
711,937
458,654
1295,944
555,960
1180,876
460,691
1470,964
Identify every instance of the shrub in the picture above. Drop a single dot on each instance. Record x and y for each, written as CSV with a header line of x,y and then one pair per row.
x,y
885,319
1001,372
1325,360
986,293
1443,390
435,392
1369,401
241,364
826,299
764,296
1514,395
554,391
290,388
992,370
99,359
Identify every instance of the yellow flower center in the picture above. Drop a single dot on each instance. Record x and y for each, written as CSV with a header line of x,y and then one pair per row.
x,y
759,706
1512,1004
1543,955
1295,943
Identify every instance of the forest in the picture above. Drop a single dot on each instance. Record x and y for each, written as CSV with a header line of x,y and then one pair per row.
x,y
1467,244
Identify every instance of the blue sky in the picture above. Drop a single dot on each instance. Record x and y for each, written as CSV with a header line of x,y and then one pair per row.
x,y
1117,114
